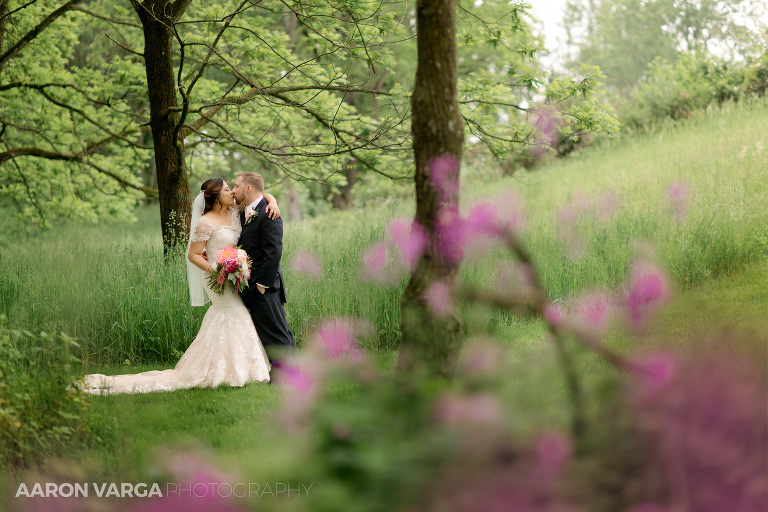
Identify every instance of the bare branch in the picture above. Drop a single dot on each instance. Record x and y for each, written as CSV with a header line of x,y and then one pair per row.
x,y
121,45
110,20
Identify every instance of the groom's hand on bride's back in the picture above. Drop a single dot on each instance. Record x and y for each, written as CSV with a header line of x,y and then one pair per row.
x,y
272,211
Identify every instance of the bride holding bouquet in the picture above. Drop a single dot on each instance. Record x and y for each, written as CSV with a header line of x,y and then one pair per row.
x,y
227,349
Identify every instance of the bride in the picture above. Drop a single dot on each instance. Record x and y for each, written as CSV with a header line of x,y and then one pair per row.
x,y
227,349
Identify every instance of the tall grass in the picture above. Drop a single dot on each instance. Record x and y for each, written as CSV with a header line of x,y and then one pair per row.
x,y
110,287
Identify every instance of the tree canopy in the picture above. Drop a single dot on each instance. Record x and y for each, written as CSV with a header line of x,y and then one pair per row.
x,y
106,103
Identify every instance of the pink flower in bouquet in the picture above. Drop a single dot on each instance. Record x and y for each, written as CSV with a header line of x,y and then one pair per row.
x,y
226,254
232,264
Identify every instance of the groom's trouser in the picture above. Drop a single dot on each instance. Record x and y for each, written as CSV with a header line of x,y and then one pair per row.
x,y
268,316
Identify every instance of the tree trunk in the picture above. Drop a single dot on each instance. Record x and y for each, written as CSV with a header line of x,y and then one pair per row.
x,y
294,204
172,182
342,200
431,342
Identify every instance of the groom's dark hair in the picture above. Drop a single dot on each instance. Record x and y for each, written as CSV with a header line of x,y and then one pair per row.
x,y
253,179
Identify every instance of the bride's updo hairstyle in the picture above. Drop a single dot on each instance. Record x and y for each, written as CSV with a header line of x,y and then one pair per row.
x,y
211,189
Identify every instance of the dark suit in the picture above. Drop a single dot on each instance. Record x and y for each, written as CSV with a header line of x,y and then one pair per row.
x,y
262,239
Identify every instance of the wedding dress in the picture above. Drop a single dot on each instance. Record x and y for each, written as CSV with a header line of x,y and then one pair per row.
x,y
227,349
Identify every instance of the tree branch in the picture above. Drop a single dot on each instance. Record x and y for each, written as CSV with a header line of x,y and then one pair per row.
x,y
121,45
32,34
82,156
111,20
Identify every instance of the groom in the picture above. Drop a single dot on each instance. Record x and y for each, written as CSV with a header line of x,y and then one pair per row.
x,y
262,239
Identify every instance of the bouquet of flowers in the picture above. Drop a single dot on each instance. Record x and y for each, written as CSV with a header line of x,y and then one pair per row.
x,y
232,265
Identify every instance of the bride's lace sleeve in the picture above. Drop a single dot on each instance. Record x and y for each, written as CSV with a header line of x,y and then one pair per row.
x,y
202,231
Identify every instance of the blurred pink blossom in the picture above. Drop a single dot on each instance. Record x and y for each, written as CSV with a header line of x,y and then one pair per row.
x,y
553,450
376,260
450,235
553,314
648,288
482,220
477,408
594,309
201,487
292,375
706,432
305,262
440,298
444,176
301,375
649,507
678,194
654,372
410,238
336,338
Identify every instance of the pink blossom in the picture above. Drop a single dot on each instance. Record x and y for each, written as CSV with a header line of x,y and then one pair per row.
x,y
482,220
648,288
546,123
478,408
654,371
594,309
553,315
553,450
335,336
451,235
440,298
207,488
444,176
678,193
375,263
410,238
302,375
648,507
305,262
293,376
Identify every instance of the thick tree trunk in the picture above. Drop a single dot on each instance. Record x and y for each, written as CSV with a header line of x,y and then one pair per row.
x,y
432,342
157,19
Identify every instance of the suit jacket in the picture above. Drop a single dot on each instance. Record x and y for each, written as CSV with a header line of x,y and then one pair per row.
x,y
262,239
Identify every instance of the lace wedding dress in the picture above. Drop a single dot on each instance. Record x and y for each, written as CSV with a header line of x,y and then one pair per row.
x,y
226,350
